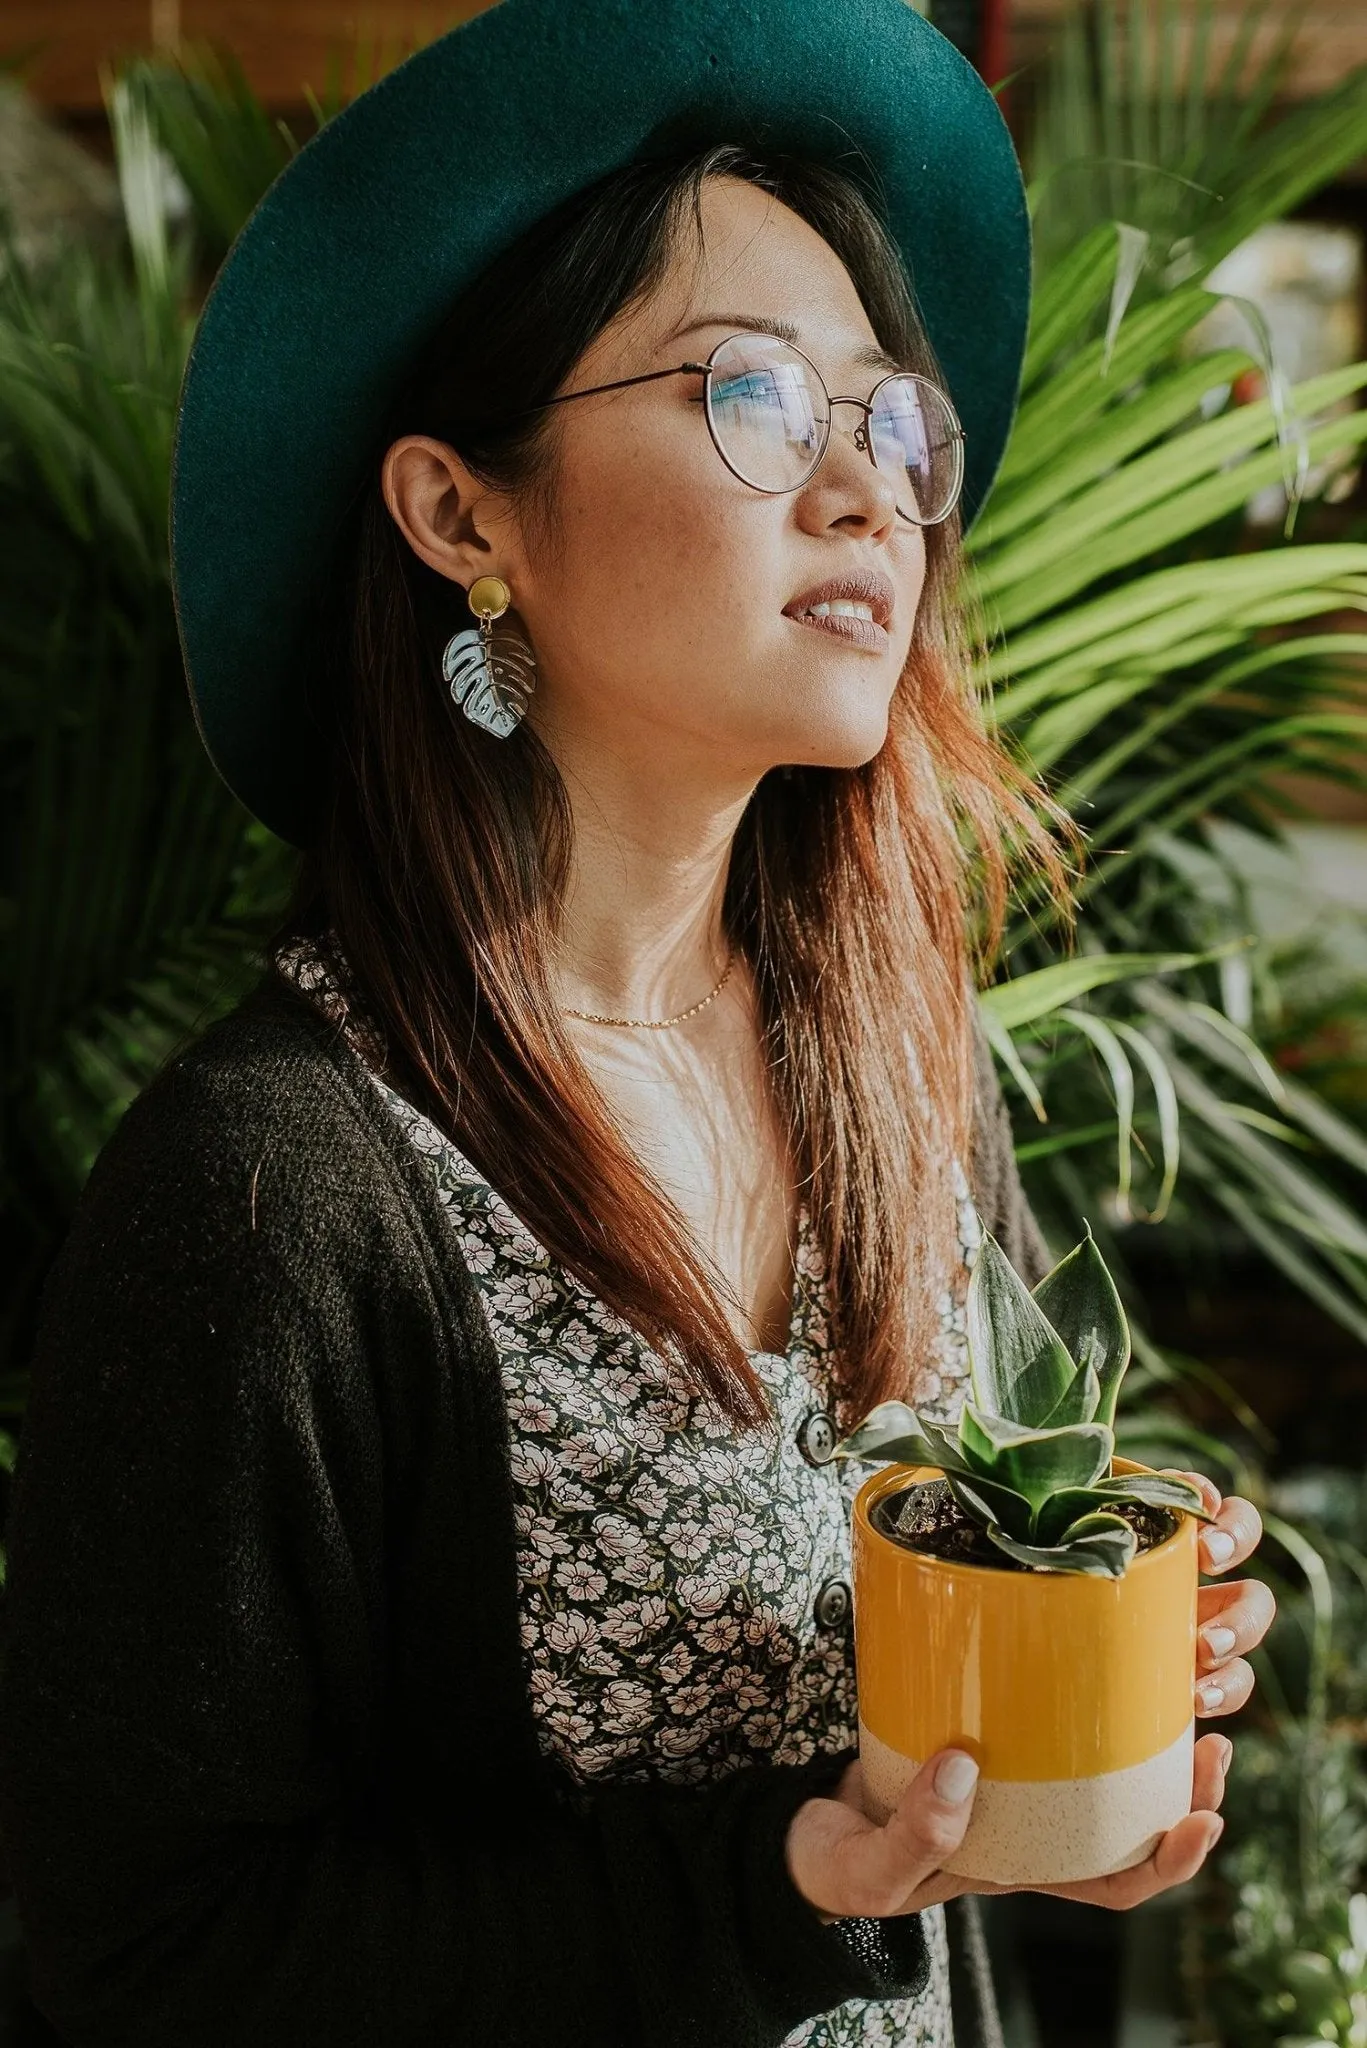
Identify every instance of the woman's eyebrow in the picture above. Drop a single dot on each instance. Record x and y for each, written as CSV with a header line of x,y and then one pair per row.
x,y
865,358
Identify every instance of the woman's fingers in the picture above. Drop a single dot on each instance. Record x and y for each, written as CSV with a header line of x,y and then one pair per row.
x,y
1237,1530
843,1863
1225,1690
1211,1761
928,1824
1233,1620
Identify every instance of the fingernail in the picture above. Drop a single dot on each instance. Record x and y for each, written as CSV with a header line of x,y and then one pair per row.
x,y
956,1777
1227,1759
1212,1696
1219,1545
1217,1829
1219,1641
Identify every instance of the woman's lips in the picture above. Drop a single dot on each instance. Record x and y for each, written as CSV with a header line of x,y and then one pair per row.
x,y
863,632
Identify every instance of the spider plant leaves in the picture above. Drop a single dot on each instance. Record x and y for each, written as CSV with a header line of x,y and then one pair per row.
x,y
1079,1300
1017,1362
1161,612
1027,997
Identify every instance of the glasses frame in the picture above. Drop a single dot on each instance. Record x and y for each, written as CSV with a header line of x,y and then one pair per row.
x,y
861,433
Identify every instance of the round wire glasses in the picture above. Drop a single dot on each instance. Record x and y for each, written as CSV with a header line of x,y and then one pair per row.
x,y
769,414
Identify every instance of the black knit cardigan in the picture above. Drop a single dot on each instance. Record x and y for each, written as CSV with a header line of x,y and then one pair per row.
x,y
268,1769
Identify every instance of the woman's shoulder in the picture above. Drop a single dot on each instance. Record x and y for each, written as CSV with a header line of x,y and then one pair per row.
x,y
259,1128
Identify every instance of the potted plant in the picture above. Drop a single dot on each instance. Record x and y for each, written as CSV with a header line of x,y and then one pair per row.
x,y
1024,1594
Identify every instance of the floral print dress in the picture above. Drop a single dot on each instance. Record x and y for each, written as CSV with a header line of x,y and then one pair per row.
x,y
685,1599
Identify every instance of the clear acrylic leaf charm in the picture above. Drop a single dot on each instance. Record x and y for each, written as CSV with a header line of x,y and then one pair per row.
x,y
492,674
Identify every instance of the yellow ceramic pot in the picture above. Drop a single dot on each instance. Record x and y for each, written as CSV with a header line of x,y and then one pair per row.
x,y
1073,1692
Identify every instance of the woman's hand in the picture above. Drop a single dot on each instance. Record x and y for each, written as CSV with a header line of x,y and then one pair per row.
x,y
845,1863
1231,1618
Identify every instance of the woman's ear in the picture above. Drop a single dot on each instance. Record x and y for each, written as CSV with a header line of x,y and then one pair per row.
x,y
442,511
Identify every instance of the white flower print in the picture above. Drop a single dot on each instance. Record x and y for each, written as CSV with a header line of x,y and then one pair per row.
x,y
532,1462
579,1341
649,1497
702,1594
654,1613
574,1728
565,1494
676,1663
476,1251
580,1579
690,1699
688,1541
519,1295
668,1565
617,1538
583,1405
625,1701
549,1690
623,1625
530,1415
571,1629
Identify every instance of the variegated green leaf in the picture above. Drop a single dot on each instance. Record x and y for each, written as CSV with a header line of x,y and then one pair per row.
x,y
1019,1366
1035,1462
886,1423
1101,1553
987,1503
950,1453
1081,1401
1080,1302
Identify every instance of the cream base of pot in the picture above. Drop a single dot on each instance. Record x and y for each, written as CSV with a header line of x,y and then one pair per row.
x,y
1049,1830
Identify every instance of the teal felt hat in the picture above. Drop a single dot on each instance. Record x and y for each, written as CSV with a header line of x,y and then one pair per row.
x,y
359,246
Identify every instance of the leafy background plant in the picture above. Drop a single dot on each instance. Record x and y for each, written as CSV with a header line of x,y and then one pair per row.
x,y
1167,666
1161,662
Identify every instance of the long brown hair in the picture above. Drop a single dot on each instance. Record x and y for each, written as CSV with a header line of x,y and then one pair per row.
x,y
859,896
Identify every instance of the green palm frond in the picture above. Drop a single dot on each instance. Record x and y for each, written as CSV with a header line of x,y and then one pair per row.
x,y
1158,662
121,901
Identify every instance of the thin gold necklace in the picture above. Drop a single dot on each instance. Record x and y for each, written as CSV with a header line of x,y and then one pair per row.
x,y
654,1023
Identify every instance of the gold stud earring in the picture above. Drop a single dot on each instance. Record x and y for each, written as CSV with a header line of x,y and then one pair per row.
x,y
492,674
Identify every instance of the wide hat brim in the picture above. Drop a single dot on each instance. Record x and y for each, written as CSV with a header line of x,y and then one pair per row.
x,y
361,243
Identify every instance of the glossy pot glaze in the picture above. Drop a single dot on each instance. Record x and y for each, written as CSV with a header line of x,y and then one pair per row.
x,y
1073,1692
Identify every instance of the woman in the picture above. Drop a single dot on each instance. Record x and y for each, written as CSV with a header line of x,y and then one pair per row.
x,y
429,1571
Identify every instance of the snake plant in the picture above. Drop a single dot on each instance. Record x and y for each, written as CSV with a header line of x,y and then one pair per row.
x,y
1032,1457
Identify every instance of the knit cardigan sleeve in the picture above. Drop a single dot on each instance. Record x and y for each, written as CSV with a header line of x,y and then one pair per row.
x,y
217,1819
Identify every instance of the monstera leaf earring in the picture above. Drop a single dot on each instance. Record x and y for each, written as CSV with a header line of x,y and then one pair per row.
x,y
491,674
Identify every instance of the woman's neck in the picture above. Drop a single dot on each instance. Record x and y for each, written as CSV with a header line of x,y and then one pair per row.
x,y
641,932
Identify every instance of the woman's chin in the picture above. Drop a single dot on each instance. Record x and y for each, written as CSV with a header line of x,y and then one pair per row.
x,y
846,744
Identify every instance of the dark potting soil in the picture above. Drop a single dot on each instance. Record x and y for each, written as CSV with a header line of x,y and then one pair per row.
x,y
927,1517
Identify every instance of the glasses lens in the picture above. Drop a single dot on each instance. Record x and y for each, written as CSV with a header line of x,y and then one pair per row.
x,y
916,437
769,413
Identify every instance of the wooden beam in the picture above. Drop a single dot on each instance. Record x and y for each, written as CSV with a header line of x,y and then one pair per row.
x,y
283,45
